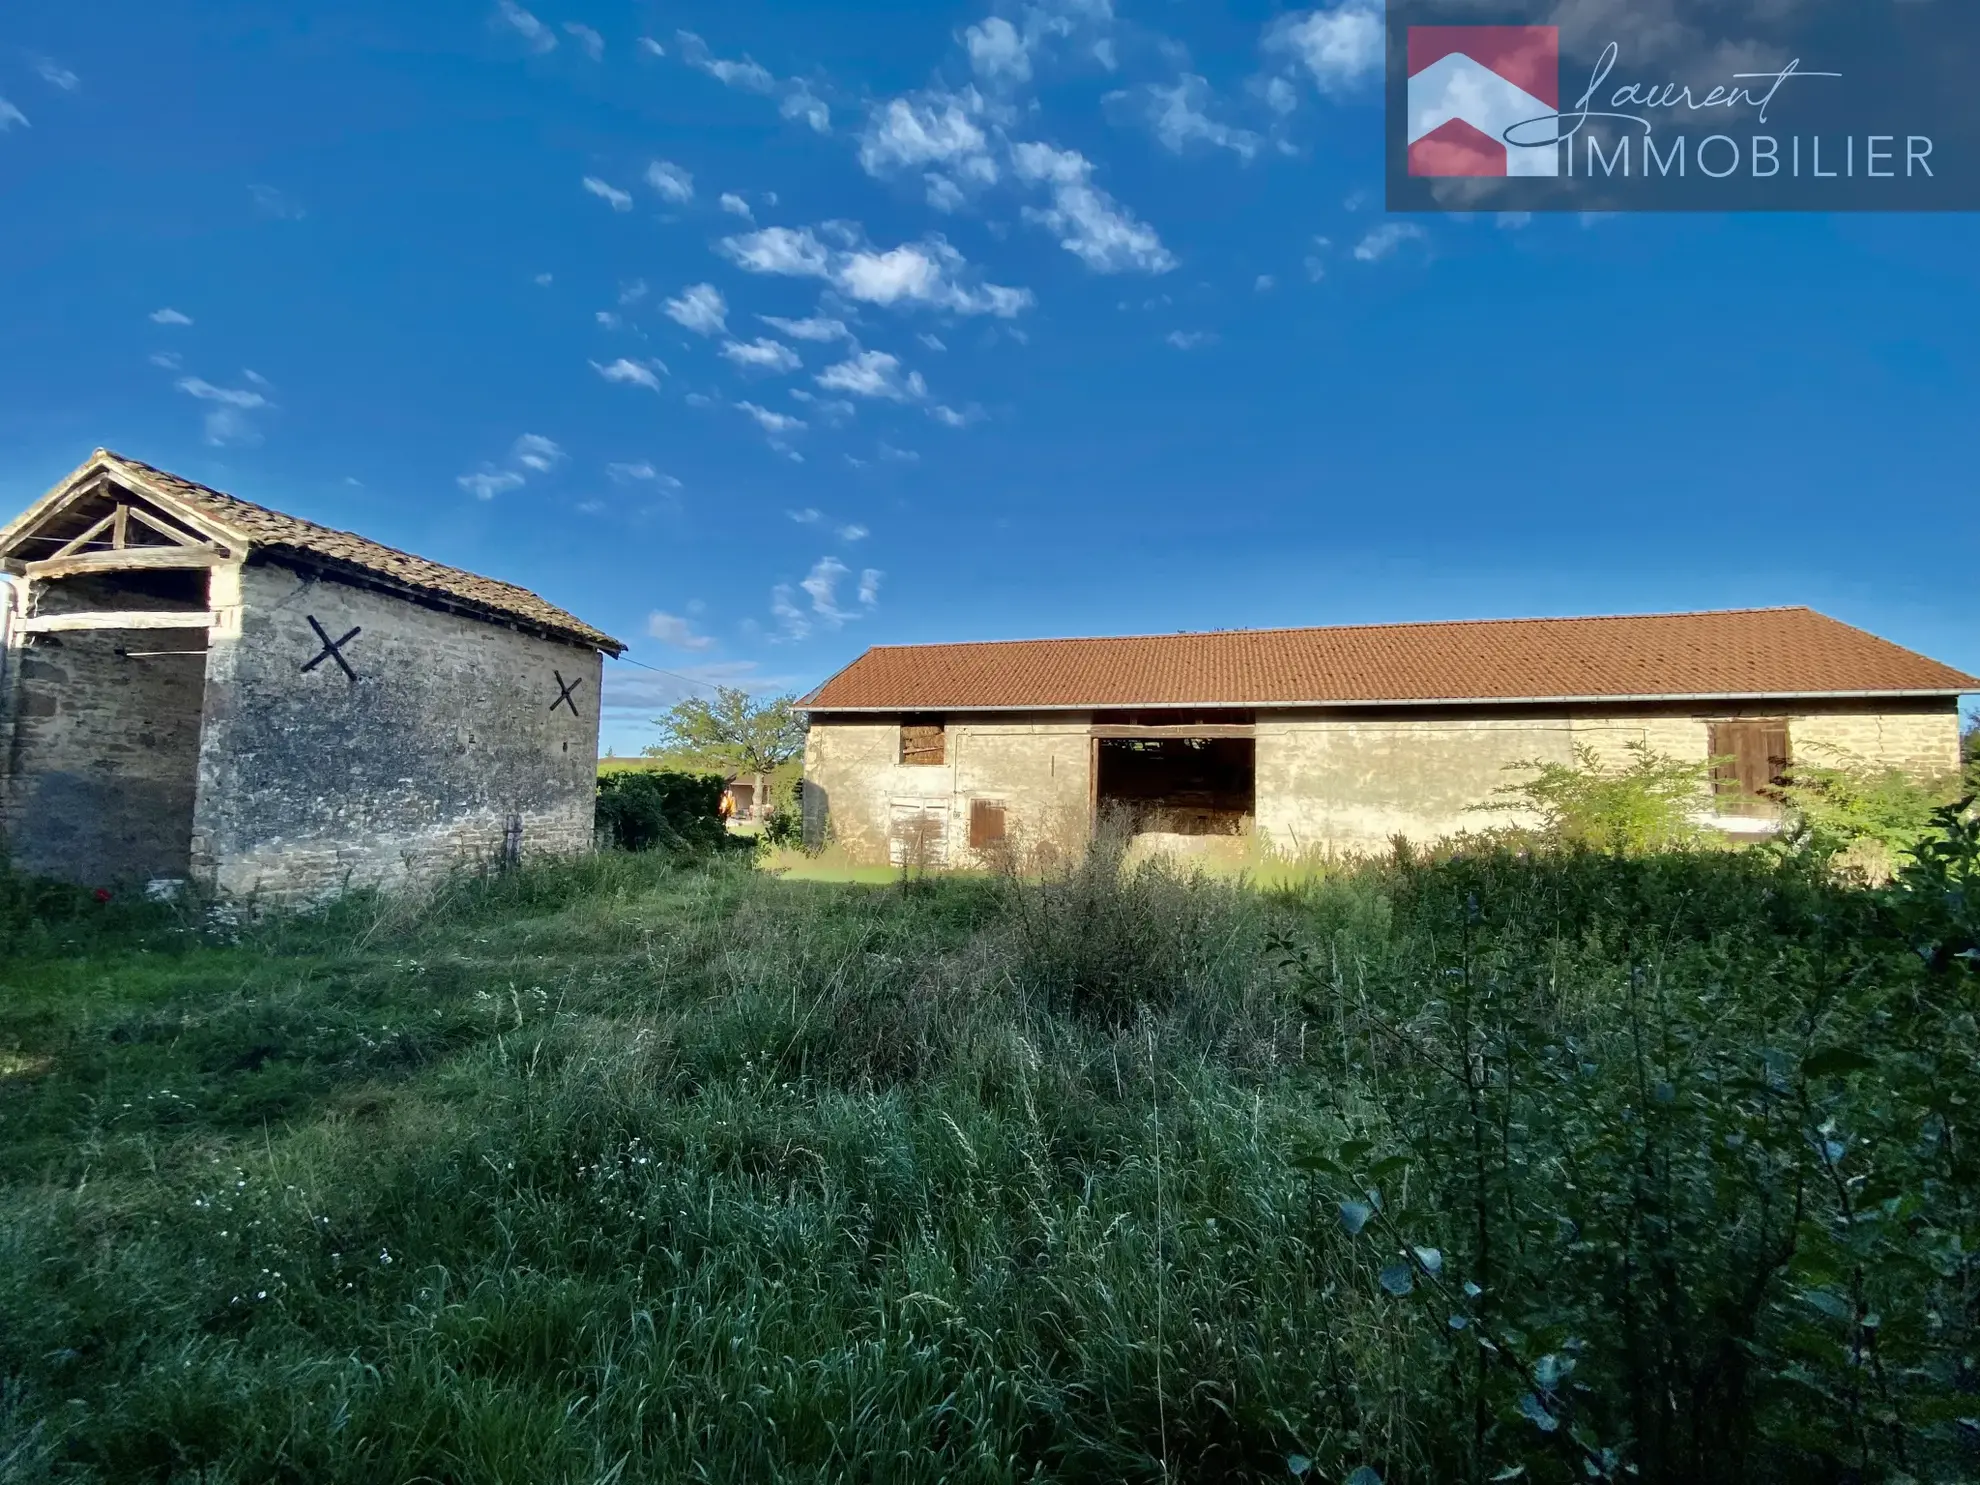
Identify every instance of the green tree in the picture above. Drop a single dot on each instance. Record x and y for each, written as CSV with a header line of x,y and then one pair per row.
x,y
734,733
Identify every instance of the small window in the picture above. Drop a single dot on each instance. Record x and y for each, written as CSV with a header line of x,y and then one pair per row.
x,y
924,742
1749,762
986,824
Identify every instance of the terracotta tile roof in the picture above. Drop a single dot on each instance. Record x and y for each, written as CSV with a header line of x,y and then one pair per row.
x,y
270,530
1741,653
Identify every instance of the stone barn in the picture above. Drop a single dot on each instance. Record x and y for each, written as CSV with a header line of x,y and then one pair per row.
x,y
194,687
1339,740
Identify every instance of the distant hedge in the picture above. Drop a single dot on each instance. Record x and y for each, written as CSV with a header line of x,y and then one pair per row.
x,y
643,811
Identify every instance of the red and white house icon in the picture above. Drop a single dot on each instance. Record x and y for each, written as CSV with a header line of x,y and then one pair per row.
x,y
1468,85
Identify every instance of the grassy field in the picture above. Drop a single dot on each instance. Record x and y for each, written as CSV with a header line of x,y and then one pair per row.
x,y
1488,1169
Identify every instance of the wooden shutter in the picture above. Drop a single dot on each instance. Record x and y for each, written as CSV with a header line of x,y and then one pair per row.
x,y
919,833
986,824
1750,762
924,743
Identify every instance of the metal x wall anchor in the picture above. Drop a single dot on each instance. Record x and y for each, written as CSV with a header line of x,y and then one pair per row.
x,y
333,649
564,690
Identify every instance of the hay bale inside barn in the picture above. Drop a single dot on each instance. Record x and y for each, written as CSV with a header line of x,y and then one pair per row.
x,y
193,687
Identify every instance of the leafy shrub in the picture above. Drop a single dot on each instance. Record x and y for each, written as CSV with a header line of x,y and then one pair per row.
x,y
642,811
1648,804
783,817
1847,805
1707,1221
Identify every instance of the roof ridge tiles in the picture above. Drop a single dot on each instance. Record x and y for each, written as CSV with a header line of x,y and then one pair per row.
x,y
1083,639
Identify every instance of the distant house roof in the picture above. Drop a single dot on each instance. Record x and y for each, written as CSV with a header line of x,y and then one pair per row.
x,y
270,531
1743,653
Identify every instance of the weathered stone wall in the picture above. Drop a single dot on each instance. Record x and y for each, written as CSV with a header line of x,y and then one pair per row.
x,y
1922,743
1339,784
1350,786
99,737
1036,767
309,782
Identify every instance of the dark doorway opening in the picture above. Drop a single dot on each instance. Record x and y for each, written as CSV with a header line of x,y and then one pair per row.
x,y
1179,785
101,767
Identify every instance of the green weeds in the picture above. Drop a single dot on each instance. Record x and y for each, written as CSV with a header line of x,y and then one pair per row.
x,y
633,1168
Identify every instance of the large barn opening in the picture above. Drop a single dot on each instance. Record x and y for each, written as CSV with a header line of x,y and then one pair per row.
x,y
1178,785
103,768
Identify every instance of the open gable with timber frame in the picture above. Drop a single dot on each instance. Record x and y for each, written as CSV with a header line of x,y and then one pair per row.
x,y
172,523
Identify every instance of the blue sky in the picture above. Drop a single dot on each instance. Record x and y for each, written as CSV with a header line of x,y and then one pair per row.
x,y
758,334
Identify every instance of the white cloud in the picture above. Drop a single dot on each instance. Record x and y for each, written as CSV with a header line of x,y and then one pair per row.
x,y
227,422
633,292
817,328
898,456
670,629
746,74
10,116
651,47
809,516
771,422
619,200
943,193
631,373
801,104
700,308
641,472
670,181
169,316
869,587
822,585
1180,118
997,53
853,532
948,416
736,206
793,253
55,75
933,342
1280,96
534,451
544,280
170,360
273,203
1383,240
1091,224
1188,340
589,40
488,483
1512,221
791,619
762,355
194,386
1316,263
873,374
914,273
539,36
928,129
606,318
1263,283
1340,46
